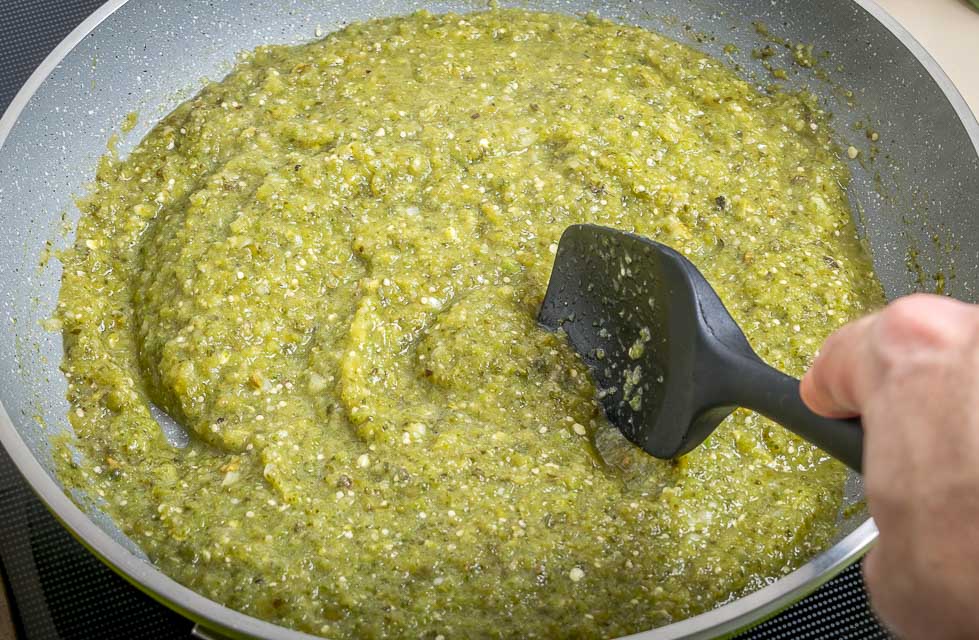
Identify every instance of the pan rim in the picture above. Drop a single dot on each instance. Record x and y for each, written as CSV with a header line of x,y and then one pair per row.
x,y
721,621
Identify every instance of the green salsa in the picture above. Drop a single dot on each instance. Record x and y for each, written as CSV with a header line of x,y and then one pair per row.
x,y
327,267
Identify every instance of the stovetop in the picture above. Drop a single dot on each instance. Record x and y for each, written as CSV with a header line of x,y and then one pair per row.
x,y
59,591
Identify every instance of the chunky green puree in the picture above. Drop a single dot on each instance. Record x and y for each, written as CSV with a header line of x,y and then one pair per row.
x,y
327,267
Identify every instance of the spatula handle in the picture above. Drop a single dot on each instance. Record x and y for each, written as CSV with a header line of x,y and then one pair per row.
x,y
775,395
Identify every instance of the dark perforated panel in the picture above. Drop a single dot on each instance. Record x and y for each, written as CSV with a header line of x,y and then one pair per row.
x,y
61,592
58,590
839,610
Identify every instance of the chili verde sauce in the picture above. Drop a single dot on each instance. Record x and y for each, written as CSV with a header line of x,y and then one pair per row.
x,y
327,268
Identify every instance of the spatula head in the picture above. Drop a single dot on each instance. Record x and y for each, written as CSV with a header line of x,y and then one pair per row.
x,y
652,330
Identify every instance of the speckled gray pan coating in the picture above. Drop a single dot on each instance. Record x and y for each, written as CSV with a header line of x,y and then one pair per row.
x,y
916,203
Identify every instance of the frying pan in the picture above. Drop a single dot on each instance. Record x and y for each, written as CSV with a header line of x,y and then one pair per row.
x,y
914,193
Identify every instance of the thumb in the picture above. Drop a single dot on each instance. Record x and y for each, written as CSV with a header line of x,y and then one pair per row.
x,y
832,386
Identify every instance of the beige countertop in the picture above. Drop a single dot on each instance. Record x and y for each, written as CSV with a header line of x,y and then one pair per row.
x,y
949,30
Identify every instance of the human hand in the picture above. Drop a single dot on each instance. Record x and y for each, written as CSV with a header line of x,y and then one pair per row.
x,y
911,371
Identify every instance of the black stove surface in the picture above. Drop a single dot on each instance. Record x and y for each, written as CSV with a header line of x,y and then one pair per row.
x,y
59,591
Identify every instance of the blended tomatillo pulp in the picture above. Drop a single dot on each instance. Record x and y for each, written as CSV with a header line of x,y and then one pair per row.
x,y
327,267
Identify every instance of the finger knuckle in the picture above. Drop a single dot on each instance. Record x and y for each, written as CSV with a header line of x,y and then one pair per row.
x,y
911,318
911,325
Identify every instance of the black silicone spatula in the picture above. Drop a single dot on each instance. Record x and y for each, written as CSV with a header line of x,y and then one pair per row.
x,y
668,358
